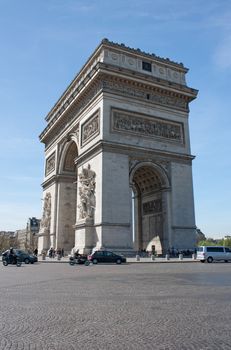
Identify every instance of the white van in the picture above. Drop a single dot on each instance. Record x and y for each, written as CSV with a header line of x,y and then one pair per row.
x,y
210,253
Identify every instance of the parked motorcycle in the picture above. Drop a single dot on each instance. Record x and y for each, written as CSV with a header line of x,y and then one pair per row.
x,y
78,259
11,260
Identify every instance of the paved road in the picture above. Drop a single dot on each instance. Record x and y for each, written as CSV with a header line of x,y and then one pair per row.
x,y
129,260
107,307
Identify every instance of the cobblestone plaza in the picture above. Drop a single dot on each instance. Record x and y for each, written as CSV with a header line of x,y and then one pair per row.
x,y
171,306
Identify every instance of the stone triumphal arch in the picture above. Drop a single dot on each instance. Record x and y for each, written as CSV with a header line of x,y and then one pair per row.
x,y
118,165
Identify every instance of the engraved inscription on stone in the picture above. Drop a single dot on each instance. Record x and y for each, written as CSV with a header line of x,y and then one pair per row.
x,y
50,164
152,207
90,128
142,125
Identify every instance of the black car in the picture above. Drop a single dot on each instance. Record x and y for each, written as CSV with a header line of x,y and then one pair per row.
x,y
104,256
23,256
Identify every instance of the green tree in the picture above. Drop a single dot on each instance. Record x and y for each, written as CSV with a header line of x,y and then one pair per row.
x,y
208,241
4,242
226,242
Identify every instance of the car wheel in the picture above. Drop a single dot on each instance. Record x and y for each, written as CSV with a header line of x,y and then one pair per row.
x,y
95,261
87,263
226,261
118,261
32,262
209,259
5,263
71,262
19,263
26,261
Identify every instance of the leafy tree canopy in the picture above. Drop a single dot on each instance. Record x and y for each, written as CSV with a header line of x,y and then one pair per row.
x,y
207,241
226,242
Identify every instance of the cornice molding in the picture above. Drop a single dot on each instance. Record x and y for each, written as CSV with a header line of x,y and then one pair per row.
x,y
148,92
154,91
96,60
56,179
132,151
143,80
72,111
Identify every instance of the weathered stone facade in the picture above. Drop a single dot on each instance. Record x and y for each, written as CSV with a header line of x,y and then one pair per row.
x,y
118,165
27,238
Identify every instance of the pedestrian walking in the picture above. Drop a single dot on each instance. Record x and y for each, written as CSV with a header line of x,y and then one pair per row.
x,y
36,252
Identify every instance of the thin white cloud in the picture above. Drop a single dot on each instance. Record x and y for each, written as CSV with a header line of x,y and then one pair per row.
x,y
220,22
222,55
221,19
71,6
167,10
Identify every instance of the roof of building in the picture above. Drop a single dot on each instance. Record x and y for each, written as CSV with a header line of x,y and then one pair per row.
x,y
140,52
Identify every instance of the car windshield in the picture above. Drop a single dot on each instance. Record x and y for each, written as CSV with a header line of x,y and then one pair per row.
x,y
19,251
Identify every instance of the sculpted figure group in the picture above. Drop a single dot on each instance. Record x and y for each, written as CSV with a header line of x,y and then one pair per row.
x,y
46,218
87,193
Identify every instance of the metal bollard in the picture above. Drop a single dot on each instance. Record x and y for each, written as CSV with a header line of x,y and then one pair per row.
x,y
194,256
167,257
137,258
180,256
152,257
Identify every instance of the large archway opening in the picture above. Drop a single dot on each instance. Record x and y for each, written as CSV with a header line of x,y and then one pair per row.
x,y
147,203
67,197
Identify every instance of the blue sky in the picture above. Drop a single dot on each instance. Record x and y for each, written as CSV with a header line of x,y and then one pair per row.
x,y
43,45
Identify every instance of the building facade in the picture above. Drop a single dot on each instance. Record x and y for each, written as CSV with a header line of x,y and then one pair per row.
x,y
27,238
118,165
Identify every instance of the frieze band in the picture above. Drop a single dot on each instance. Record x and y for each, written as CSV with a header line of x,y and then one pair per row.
x,y
108,84
129,90
146,126
90,128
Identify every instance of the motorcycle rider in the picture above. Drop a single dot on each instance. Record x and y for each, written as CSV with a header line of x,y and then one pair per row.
x,y
12,256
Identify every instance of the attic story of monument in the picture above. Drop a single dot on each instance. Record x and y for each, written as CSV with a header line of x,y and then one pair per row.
x,y
118,164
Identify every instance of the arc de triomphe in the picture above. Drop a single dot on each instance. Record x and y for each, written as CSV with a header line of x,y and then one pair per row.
x,y
118,165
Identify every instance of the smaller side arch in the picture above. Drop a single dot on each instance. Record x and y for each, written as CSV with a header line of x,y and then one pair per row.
x,y
71,146
66,193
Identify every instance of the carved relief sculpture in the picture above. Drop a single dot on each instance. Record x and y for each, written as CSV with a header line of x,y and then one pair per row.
x,y
90,128
87,193
132,123
50,164
46,218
